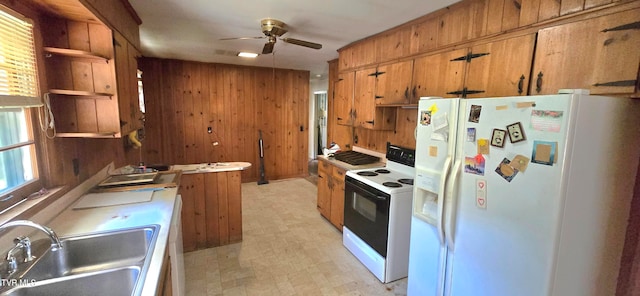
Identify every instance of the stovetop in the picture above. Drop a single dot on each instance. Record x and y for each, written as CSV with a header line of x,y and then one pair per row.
x,y
396,177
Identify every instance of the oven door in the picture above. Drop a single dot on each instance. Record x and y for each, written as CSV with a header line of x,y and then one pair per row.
x,y
366,213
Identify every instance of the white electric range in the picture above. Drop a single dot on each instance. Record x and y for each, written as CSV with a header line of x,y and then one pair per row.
x,y
377,214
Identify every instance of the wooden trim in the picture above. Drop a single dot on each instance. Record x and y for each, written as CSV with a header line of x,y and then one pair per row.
x,y
73,53
88,135
132,11
68,92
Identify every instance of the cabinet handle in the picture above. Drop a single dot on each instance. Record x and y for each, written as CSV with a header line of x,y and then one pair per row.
x,y
379,97
370,122
339,118
319,176
414,93
520,84
406,93
539,82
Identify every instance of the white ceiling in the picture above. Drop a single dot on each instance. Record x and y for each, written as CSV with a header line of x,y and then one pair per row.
x,y
191,29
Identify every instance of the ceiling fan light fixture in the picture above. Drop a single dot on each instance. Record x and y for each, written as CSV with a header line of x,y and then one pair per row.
x,y
245,54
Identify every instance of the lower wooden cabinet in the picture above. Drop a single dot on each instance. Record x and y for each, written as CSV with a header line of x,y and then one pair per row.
x,y
331,193
212,209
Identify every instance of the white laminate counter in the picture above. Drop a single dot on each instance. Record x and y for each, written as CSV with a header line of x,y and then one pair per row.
x,y
214,167
349,167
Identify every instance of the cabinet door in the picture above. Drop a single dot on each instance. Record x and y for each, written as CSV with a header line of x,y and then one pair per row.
x,y
337,200
126,75
501,69
324,191
599,54
343,100
393,81
437,75
366,113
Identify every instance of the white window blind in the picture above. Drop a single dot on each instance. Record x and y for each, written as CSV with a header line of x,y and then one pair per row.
x,y
18,71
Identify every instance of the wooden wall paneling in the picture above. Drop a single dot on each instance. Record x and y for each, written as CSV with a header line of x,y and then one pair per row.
x,y
394,44
103,79
177,141
249,117
59,73
187,184
188,117
223,208
199,209
201,107
511,14
215,121
234,189
55,32
212,209
529,12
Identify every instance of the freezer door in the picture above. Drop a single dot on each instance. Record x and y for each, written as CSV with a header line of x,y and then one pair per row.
x,y
435,143
508,197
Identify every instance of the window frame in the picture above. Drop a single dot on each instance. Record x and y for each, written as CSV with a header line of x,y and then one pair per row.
x,y
20,193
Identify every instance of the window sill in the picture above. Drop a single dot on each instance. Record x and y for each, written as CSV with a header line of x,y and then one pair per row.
x,y
31,205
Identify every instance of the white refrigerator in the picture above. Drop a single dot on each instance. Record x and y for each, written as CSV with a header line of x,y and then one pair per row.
x,y
522,195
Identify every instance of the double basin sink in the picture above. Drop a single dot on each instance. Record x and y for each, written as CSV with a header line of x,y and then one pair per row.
x,y
106,263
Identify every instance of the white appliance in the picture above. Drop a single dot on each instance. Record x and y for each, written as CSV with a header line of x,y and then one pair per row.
x,y
176,251
377,214
522,195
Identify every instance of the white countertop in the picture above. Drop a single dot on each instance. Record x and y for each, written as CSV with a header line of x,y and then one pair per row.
x,y
213,167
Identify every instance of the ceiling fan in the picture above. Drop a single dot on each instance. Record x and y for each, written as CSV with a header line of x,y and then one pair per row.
x,y
273,30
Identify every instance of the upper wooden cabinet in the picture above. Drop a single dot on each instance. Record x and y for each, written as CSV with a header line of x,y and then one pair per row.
x,y
366,114
393,83
600,54
343,98
501,68
131,117
438,75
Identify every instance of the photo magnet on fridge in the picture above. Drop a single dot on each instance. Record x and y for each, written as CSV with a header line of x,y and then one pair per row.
x,y
474,113
474,165
498,137
505,170
425,117
516,132
544,152
471,134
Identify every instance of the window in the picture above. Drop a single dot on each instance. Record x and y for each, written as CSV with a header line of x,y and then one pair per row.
x,y
18,92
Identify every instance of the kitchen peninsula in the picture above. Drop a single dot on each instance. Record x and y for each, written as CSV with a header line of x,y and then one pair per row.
x,y
212,209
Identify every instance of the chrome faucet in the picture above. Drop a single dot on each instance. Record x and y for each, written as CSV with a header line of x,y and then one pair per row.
x,y
55,241
23,243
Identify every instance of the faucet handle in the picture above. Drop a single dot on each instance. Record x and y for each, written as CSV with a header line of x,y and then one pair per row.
x,y
24,243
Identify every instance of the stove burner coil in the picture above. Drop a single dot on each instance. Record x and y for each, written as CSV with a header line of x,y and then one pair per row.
x,y
382,171
367,173
391,184
406,181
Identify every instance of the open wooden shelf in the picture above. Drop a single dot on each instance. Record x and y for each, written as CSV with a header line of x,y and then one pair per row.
x,y
68,92
74,53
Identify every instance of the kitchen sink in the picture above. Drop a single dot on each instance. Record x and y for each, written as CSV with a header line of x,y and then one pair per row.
x,y
108,262
94,252
121,281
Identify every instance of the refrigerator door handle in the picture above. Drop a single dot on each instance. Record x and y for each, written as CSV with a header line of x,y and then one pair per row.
x,y
451,201
441,197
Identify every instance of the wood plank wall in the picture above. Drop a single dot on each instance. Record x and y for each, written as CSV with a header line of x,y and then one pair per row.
x,y
183,99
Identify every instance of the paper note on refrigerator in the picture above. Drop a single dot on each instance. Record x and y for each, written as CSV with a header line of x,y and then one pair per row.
x,y
544,152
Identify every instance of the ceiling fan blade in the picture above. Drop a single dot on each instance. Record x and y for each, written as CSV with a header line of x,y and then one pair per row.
x,y
302,43
242,38
268,48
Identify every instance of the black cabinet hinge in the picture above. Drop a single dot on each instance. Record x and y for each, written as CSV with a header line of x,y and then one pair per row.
x,y
469,57
376,73
464,92
618,83
630,26
379,97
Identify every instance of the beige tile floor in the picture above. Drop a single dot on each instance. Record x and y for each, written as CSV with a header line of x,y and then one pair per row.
x,y
287,249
